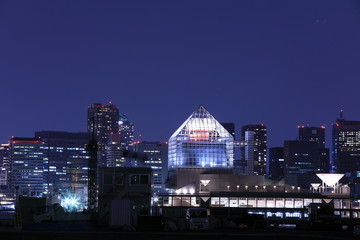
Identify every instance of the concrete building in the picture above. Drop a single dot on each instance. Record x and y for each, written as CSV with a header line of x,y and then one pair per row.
x,y
124,183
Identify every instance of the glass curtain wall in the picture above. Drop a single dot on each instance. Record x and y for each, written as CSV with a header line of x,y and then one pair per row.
x,y
201,141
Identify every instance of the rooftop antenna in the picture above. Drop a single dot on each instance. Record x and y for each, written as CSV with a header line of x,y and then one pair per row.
x,y
341,114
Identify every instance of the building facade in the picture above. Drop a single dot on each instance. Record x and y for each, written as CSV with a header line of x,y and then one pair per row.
x,y
312,134
66,169
124,183
4,164
346,147
114,151
275,163
303,159
27,164
102,120
156,157
126,131
201,142
254,151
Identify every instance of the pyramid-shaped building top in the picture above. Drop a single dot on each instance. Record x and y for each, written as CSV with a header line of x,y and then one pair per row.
x,y
201,142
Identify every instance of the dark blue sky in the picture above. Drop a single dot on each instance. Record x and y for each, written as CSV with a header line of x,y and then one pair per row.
x,y
281,63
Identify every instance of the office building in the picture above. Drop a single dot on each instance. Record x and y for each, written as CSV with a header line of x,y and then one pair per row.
x,y
102,120
254,151
126,131
316,134
303,159
346,147
275,163
27,163
155,156
114,151
66,169
201,142
4,164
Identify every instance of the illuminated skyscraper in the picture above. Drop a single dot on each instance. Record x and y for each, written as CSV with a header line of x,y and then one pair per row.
x,y
27,166
114,151
66,171
201,142
126,131
253,153
346,146
103,120
4,164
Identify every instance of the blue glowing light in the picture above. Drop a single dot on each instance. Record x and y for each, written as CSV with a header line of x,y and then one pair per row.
x,y
70,203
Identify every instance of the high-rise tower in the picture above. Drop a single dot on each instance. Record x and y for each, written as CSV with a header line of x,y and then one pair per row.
x,y
126,131
27,166
103,120
346,146
253,153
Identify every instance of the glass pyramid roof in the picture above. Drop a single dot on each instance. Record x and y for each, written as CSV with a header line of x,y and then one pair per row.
x,y
201,141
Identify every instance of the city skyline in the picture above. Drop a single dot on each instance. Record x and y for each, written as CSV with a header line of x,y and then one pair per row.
x,y
140,137
281,64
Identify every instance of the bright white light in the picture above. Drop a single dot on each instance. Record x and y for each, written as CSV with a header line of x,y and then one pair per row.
x,y
205,182
330,179
315,185
70,203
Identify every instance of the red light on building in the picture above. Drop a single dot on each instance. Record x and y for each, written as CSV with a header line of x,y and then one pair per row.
x,y
323,127
19,141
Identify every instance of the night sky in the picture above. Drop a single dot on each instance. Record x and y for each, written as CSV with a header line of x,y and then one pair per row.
x,y
281,63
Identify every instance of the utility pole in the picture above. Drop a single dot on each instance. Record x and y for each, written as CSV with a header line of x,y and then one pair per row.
x,y
92,148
